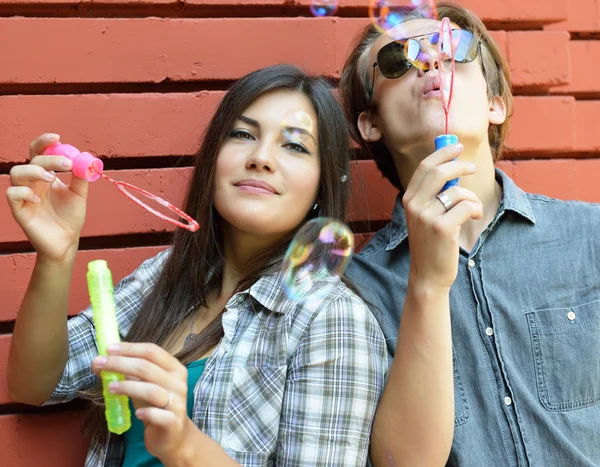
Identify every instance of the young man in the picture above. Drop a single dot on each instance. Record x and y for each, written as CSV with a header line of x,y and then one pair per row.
x,y
513,379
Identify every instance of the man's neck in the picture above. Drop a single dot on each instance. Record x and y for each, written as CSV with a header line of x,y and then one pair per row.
x,y
483,183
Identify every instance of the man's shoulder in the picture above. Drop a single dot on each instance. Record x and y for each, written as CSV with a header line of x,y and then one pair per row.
x,y
377,243
557,212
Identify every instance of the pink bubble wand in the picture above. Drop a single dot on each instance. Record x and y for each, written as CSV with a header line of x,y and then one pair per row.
x,y
88,167
446,64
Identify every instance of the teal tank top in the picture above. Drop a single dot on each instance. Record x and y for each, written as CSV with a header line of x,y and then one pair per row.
x,y
136,454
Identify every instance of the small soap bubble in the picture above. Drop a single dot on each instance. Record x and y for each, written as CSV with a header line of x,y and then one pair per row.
x,y
344,178
389,15
297,126
322,248
322,8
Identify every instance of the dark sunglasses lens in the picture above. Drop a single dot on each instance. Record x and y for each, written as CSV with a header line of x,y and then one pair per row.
x,y
465,46
391,60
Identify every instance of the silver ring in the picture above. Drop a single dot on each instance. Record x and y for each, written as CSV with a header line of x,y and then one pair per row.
x,y
168,403
445,200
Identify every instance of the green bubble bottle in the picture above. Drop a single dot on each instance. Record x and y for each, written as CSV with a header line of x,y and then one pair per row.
x,y
100,285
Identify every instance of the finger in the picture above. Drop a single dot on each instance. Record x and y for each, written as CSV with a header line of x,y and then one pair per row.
x,y
23,175
56,163
149,393
147,351
79,186
462,212
454,195
39,145
157,417
433,182
137,367
440,156
18,195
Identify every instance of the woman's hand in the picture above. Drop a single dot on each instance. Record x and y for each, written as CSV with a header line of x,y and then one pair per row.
x,y
50,212
434,226
157,384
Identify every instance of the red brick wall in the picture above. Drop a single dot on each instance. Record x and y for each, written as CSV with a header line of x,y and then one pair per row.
x,y
136,82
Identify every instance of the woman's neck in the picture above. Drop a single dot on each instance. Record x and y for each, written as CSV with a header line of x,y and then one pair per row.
x,y
239,249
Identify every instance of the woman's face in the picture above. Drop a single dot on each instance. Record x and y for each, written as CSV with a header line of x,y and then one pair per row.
x,y
268,169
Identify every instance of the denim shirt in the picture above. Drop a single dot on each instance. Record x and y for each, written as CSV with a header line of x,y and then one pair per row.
x,y
525,311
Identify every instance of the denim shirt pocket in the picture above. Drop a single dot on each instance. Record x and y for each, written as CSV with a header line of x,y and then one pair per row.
x,y
461,403
566,354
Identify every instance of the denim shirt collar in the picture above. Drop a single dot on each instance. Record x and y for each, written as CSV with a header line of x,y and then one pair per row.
x,y
513,199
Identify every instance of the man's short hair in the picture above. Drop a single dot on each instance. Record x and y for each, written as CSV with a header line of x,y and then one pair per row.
x,y
356,79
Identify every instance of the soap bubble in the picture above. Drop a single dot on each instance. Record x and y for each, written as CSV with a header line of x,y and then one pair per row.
x,y
389,15
297,126
322,8
322,248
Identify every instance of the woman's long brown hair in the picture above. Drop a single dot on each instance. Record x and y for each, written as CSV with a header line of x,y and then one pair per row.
x,y
195,264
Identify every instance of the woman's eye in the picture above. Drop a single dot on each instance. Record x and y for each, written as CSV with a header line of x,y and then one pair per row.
x,y
241,134
296,147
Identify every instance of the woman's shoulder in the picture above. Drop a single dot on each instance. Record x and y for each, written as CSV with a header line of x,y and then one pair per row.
x,y
328,298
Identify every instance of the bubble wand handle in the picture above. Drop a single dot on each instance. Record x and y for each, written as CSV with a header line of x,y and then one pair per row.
x,y
85,165
100,285
446,49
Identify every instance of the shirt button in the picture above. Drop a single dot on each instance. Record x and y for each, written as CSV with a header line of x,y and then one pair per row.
x,y
507,400
489,331
571,315
471,263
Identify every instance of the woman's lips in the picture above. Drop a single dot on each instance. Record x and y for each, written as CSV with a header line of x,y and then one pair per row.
x,y
255,190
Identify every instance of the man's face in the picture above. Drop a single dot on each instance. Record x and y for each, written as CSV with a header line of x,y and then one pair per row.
x,y
409,117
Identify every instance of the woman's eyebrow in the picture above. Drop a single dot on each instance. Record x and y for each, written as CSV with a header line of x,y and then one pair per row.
x,y
249,121
295,129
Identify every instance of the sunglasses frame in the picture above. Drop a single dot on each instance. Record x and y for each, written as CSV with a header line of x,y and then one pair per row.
x,y
376,64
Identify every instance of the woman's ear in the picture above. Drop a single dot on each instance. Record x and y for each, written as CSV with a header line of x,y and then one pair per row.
x,y
368,128
497,111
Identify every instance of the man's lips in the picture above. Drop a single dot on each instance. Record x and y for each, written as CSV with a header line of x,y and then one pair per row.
x,y
431,87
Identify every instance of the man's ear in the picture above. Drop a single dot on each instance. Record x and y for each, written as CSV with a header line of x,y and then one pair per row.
x,y
497,111
368,128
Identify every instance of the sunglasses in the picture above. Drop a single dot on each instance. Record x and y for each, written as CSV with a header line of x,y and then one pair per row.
x,y
396,58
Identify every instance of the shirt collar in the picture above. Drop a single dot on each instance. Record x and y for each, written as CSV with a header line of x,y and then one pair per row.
x,y
513,199
268,291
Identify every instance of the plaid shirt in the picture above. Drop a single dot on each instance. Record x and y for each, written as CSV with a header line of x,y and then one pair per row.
x,y
290,383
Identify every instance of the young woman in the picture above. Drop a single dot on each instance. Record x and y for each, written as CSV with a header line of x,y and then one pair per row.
x,y
268,381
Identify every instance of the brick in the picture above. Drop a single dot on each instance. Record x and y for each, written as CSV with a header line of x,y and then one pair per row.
x,y
586,175
587,116
583,16
164,49
508,11
542,124
49,440
518,11
152,50
110,125
566,179
16,270
371,200
539,59
584,77
554,178
372,196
